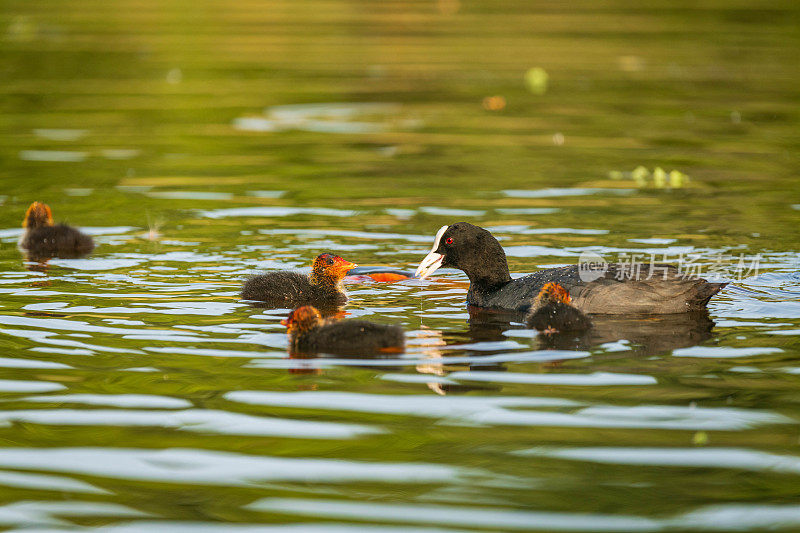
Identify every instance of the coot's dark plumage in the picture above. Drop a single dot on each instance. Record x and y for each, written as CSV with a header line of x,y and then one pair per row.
x,y
615,291
310,334
323,287
552,312
41,238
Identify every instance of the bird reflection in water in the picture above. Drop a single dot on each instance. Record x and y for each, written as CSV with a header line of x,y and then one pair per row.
x,y
432,344
644,335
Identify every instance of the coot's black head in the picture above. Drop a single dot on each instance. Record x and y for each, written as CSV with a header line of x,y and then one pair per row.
x,y
469,248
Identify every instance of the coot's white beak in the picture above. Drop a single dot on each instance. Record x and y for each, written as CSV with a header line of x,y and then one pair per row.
x,y
433,260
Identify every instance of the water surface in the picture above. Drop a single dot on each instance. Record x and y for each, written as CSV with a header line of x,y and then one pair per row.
x,y
201,143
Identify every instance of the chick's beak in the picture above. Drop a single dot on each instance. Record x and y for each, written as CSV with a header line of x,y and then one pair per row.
x,y
342,266
285,322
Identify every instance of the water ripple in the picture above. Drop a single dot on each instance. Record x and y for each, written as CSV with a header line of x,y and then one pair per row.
x,y
495,411
196,420
473,516
596,379
18,385
44,482
146,401
275,212
735,458
205,467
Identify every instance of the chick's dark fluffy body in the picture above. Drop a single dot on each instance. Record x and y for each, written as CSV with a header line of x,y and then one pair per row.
x,y
321,288
557,316
58,240
291,289
348,337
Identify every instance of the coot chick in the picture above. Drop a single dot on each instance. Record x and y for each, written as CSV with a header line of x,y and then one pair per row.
x,y
310,334
612,290
323,287
552,312
41,238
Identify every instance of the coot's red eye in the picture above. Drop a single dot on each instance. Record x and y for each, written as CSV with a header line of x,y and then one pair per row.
x,y
449,240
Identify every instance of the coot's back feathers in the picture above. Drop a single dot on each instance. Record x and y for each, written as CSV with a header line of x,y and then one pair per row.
x,y
667,291
613,293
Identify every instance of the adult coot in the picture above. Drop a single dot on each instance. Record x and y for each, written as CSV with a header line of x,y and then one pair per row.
x,y
309,333
617,289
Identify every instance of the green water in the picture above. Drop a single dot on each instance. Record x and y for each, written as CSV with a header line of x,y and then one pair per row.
x,y
139,394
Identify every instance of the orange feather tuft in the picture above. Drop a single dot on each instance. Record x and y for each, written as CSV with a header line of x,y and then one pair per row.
x,y
555,292
38,214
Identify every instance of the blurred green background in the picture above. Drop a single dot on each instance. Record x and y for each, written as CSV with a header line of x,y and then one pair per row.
x,y
154,90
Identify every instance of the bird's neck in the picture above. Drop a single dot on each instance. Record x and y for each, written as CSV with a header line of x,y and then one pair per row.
x,y
491,279
330,282
301,328
34,221
488,270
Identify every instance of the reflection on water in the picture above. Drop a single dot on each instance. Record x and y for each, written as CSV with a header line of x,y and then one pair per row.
x,y
572,191
201,420
711,518
644,335
324,118
686,457
201,146
177,465
487,412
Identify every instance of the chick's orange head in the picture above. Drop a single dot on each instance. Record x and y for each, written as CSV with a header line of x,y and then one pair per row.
x,y
332,265
37,215
301,317
555,292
